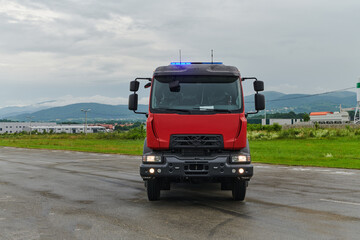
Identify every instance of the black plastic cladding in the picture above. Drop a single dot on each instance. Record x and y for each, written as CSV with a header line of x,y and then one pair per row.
x,y
197,69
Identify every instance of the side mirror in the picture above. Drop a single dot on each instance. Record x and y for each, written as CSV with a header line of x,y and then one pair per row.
x,y
259,86
134,86
174,86
259,102
133,102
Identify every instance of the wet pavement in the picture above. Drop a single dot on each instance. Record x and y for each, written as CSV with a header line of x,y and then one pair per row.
x,y
48,194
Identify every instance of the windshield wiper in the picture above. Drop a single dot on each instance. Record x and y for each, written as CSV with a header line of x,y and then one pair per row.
x,y
173,109
212,110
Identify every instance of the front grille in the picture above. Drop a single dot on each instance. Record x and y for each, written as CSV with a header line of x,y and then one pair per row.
x,y
196,141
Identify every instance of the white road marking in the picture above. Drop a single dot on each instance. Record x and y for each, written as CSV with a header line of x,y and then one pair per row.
x,y
323,170
7,199
342,202
344,173
301,169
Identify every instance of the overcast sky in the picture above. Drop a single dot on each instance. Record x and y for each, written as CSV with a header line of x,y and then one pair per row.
x,y
88,51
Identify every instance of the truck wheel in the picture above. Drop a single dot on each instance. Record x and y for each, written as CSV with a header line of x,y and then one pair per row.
x,y
239,190
153,189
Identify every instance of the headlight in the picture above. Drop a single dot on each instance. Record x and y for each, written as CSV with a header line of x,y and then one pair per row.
x,y
151,159
240,159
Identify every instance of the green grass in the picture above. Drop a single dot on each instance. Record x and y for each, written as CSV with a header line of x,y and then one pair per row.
x,y
339,152
76,143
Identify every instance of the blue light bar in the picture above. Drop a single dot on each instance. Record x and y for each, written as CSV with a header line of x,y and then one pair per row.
x,y
180,63
189,63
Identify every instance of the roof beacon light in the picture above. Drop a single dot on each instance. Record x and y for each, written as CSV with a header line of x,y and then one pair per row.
x,y
190,63
180,63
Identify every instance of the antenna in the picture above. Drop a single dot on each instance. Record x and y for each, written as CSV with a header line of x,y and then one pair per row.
x,y
180,54
212,56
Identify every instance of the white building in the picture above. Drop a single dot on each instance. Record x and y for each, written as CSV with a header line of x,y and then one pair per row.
x,y
17,127
74,128
330,117
280,121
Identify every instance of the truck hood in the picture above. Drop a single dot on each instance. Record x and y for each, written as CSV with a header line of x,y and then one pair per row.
x,y
227,125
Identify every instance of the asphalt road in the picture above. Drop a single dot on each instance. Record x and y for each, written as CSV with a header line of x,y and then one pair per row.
x,y
71,195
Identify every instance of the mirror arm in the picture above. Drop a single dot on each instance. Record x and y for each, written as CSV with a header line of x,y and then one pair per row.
x,y
246,114
146,114
248,78
149,79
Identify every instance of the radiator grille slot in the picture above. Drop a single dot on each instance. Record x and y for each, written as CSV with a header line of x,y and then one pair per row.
x,y
196,141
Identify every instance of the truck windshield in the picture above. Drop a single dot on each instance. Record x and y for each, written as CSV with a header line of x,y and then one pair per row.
x,y
196,93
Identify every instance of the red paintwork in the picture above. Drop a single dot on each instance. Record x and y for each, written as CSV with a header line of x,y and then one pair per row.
x,y
231,126
161,126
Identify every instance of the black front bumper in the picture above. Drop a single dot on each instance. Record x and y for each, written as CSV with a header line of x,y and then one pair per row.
x,y
173,166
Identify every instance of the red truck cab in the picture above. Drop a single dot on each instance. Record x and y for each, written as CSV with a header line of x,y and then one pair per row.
x,y
196,127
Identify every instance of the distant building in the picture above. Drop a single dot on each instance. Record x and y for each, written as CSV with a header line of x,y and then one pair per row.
x,y
108,127
75,128
17,127
280,121
330,117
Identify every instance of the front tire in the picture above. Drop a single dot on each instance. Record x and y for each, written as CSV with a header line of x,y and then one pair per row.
x,y
153,189
239,190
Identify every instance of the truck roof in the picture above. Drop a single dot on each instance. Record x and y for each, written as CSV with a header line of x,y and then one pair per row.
x,y
197,68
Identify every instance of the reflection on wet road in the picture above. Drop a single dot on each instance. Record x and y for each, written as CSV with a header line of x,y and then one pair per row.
x,y
70,195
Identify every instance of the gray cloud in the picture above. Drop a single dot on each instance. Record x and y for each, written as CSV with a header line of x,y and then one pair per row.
x,y
50,49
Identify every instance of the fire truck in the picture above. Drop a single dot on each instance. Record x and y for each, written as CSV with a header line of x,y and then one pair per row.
x,y
196,127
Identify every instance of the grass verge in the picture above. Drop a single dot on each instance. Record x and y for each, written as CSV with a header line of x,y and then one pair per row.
x,y
339,152
76,143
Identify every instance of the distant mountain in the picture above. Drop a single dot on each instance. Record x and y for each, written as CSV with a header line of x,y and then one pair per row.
x,y
275,102
298,103
11,111
73,113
